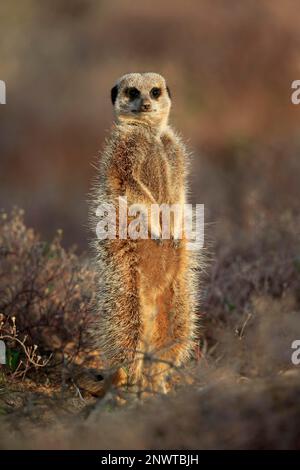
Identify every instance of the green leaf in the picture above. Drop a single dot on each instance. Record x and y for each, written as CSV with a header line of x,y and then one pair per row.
x,y
297,264
229,305
12,358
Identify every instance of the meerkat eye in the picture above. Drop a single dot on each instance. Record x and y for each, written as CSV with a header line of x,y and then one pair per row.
x,y
132,93
155,92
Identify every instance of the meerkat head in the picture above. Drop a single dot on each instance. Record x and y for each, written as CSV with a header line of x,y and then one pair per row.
x,y
142,97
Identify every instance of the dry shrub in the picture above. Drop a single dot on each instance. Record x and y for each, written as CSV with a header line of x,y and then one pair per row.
x,y
251,303
241,393
46,290
222,414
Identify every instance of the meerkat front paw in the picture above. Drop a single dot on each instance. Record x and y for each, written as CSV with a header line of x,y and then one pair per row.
x,y
176,242
158,241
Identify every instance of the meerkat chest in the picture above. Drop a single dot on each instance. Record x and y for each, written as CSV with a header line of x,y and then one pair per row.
x,y
156,169
156,159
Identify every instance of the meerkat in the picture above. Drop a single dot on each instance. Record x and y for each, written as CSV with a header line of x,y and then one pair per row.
x,y
147,288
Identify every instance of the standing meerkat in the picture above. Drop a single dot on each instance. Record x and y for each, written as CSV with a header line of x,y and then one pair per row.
x,y
147,293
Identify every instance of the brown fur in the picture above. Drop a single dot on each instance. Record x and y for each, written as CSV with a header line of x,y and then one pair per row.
x,y
146,287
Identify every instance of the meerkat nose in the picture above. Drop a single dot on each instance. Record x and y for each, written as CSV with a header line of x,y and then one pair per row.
x,y
145,106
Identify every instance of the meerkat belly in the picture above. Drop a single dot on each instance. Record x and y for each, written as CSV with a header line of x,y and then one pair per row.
x,y
157,270
159,263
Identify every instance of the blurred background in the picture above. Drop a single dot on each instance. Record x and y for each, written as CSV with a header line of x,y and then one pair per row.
x,y
229,65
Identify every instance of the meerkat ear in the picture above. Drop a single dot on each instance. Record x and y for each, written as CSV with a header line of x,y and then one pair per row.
x,y
114,93
169,93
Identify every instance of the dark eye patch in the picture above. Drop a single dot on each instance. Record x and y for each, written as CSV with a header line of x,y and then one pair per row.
x,y
132,93
114,94
155,92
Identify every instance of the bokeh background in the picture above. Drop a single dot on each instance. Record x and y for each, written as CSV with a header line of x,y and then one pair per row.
x,y
229,65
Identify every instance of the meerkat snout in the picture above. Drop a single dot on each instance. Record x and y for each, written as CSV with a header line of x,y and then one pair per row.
x,y
142,97
145,106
